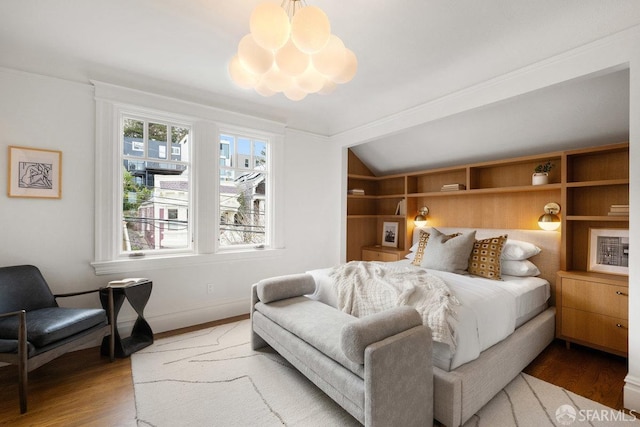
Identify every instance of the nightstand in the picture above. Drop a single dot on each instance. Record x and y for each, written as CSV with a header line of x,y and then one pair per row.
x,y
592,310
381,253
141,336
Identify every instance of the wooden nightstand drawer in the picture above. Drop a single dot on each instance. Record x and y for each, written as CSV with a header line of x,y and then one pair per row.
x,y
592,310
378,254
591,328
594,297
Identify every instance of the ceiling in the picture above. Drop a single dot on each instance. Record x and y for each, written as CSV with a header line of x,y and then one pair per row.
x,y
409,54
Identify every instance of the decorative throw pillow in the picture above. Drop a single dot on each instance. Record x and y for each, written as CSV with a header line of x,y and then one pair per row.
x,y
422,243
448,252
524,268
517,250
484,260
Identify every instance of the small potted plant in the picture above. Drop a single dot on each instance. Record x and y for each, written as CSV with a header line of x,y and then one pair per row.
x,y
541,173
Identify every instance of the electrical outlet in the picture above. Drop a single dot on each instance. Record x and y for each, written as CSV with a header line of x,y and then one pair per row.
x,y
210,288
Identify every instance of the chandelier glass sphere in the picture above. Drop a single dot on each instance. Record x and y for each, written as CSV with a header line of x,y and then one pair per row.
x,y
290,50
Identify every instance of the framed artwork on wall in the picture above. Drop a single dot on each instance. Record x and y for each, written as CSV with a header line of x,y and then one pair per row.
x,y
34,172
390,234
609,250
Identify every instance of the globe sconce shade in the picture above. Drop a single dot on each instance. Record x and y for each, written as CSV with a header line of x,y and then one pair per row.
x,y
290,50
420,220
549,220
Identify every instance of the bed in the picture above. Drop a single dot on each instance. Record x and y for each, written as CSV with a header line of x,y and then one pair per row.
x,y
500,325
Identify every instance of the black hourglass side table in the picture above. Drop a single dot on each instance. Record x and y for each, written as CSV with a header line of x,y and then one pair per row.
x,y
141,335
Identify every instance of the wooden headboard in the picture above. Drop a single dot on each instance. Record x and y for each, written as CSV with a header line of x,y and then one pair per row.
x,y
547,261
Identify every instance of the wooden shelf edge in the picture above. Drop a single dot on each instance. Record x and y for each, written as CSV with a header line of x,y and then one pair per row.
x,y
376,216
376,178
375,196
361,196
597,218
363,177
515,189
600,183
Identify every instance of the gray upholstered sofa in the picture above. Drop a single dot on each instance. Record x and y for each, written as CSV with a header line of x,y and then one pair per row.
x,y
378,368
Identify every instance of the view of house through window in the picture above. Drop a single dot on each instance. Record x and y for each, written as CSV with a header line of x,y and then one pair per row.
x,y
155,185
244,171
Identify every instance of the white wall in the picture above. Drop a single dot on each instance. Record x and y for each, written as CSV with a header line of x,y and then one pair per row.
x,y
58,235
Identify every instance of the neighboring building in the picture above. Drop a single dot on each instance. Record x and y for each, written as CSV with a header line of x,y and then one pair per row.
x,y
242,218
167,213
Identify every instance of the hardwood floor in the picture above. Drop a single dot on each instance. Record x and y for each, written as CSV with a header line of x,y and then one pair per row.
x,y
593,374
84,389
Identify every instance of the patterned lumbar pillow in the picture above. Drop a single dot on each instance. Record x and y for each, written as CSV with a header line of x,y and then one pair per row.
x,y
422,243
484,260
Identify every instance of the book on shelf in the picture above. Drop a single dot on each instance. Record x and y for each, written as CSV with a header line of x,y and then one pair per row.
x,y
453,187
122,283
619,210
356,192
401,209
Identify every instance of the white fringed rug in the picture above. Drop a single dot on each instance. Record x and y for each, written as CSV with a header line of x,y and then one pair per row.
x,y
213,378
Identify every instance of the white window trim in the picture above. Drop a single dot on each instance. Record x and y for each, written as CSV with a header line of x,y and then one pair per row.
x,y
273,189
205,121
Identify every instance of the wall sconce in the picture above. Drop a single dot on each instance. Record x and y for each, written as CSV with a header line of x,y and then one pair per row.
x,y
420,220
549,220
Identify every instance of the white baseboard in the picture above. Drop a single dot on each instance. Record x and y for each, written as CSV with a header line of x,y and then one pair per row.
x,y
172,321
632,393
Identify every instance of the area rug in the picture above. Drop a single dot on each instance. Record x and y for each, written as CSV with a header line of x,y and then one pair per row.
x,y
212,377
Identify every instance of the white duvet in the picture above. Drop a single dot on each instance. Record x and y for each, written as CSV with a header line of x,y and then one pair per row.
x,y
489,311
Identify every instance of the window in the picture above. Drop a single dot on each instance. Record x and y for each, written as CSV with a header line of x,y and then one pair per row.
x,y
243,191
156,196
174,187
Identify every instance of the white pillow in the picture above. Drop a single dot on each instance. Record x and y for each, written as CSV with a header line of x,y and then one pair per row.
x,y
446,253
523,268
517,250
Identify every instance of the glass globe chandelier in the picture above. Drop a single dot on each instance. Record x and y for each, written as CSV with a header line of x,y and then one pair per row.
x,y
290,49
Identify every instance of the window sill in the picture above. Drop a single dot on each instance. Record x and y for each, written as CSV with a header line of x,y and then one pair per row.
x,y
127,265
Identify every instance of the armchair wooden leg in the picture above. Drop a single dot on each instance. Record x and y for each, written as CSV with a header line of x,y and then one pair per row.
x,y
23,369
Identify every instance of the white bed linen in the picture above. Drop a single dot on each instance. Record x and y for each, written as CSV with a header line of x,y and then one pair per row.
x,y
490,310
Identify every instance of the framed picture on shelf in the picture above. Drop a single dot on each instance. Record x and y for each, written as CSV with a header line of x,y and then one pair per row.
x,y
609,250
34,172
390,234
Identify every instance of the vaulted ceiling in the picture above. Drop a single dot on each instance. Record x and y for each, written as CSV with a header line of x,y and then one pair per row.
x,y
409,53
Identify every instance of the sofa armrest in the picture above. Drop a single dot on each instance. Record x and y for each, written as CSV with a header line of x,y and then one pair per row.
x,y
356,336
283,287
398,377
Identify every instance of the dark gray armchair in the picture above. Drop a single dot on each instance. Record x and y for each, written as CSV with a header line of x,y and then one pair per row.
x,y
35,330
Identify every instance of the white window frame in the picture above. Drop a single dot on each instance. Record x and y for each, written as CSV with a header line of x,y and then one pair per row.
x,y
270,236
168,120
206,124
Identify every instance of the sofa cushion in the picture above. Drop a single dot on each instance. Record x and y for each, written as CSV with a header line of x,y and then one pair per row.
x,y
358,334
277,288
48,325
316,323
